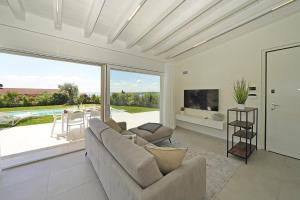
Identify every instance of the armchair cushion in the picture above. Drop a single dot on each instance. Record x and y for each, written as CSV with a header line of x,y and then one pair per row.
x,y
114,125
123,125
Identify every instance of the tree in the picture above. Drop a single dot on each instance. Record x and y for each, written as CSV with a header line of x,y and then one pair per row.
x,y
71,90
59,98
84,98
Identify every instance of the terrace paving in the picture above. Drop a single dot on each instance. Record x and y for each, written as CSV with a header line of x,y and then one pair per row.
x,y
27,138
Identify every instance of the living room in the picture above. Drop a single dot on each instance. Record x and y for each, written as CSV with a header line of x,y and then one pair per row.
x,y
203,107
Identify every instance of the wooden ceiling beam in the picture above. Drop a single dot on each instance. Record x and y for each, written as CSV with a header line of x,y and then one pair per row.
x,y
180,26
156,22
126,19
224,16
57,13
93,17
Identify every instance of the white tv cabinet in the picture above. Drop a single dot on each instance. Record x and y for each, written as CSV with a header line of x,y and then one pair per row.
x,y
199,120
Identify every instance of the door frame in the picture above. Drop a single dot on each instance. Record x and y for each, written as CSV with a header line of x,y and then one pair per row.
x,y
265,79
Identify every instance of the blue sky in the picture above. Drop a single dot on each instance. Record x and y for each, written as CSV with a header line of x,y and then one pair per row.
x,y
133,82
27,72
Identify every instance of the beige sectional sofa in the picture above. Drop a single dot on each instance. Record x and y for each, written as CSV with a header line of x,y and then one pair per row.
x,y
128,172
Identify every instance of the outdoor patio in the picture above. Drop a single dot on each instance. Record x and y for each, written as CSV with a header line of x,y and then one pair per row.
x,y
27,138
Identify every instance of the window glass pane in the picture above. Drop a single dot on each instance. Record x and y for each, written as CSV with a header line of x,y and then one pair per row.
x,y
134,97
38,98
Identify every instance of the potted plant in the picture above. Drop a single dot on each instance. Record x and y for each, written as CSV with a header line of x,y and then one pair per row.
x,y
182,110
241,91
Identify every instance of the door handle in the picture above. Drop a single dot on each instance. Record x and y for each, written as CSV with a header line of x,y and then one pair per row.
x,y
274,106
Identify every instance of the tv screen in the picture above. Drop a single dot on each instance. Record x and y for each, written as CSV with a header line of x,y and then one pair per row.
x,y
202,99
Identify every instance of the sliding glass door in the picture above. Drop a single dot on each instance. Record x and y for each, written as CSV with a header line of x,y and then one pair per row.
x,y
134,97
45,104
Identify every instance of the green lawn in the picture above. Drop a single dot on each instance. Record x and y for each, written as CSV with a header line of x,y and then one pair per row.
x,y
134,109
32,121
36,120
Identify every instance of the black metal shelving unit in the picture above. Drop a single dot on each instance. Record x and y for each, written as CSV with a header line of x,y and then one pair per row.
x,y
245,129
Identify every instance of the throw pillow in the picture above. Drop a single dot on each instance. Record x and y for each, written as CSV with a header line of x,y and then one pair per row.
x,y
167,158
114,125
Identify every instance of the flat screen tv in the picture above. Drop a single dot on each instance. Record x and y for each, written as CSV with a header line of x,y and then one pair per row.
x,y
202,99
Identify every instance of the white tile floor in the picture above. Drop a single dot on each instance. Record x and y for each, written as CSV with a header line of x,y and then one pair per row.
x,y
267,176
27,138
66,177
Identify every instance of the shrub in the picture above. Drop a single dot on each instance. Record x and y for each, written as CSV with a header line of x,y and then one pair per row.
x,y
59,98
95,99
24,100
44,99
2,102
149,99
10,99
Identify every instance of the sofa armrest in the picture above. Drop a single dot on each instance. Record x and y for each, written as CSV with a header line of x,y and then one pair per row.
x,y
188,182
123,125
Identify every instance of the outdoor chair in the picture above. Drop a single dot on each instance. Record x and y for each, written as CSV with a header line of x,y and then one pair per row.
x,y
56,119
75,119
95,114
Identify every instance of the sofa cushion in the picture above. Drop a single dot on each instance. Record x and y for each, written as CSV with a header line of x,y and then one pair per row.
x,y
138,162
97,127
167,158
114,125
140,141
125,132
162,132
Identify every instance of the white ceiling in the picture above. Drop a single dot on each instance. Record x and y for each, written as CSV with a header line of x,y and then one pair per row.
x,y
151,28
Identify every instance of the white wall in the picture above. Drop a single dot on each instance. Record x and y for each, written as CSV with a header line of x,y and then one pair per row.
x,y
220,66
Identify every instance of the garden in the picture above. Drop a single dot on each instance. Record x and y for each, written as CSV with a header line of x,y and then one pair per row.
x,y
68,96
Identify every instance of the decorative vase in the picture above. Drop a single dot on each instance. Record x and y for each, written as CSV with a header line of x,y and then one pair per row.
x,y
241,106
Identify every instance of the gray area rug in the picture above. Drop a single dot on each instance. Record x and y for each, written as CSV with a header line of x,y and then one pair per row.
x,y
219,169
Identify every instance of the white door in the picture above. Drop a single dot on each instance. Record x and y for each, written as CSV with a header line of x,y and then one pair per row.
x,y
283,102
